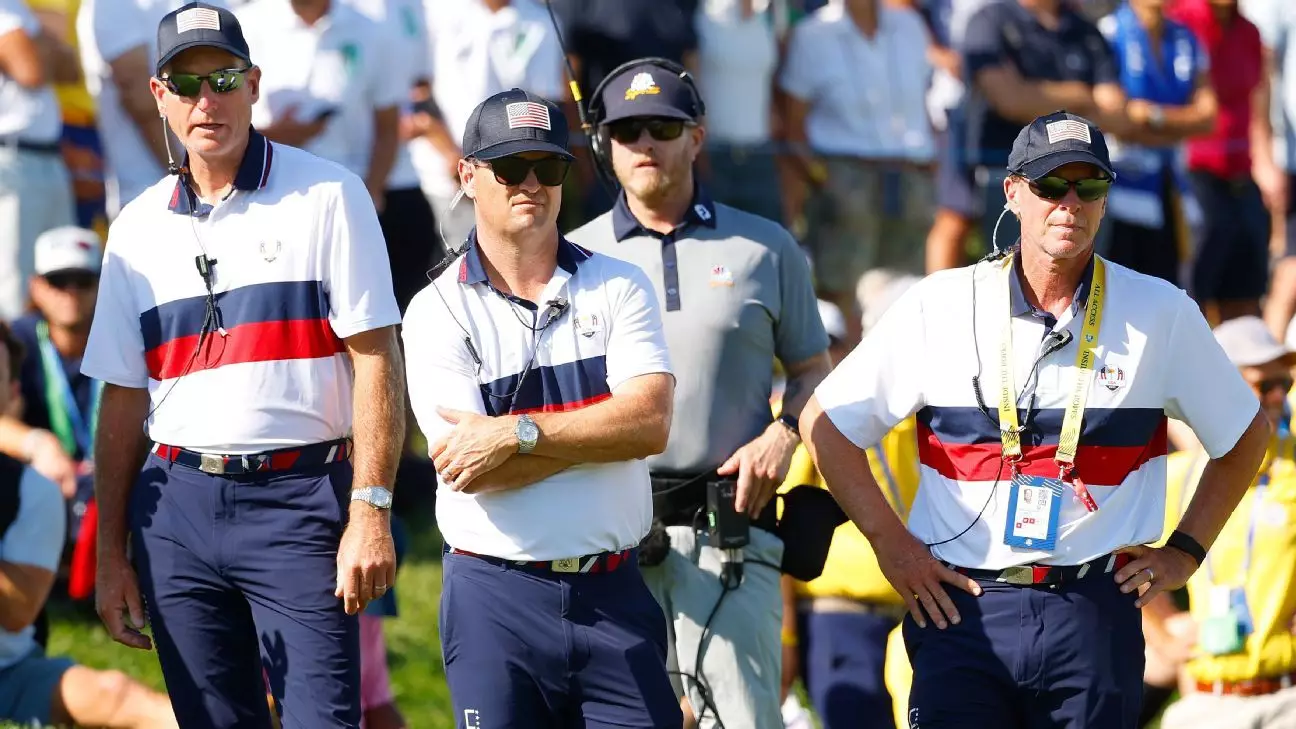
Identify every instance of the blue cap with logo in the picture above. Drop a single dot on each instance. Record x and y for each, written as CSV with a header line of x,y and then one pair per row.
x,y
1057,139
649,90
512,122
199,24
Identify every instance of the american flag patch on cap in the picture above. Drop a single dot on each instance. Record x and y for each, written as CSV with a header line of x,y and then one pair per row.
x,y
528,114
1068,129
197,19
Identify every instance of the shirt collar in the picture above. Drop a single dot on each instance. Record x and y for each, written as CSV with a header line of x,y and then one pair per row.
x,y
471,270
253,174
1021,307
701,211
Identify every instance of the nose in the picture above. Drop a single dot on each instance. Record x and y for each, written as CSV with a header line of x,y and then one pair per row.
x,y
1071,199
532,183
206,97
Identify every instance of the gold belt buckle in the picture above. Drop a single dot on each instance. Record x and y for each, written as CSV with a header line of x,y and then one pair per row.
x,y
566,566
1018,576
208,463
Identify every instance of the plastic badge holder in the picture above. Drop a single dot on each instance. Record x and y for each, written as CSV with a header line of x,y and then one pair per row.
x,y
1221,635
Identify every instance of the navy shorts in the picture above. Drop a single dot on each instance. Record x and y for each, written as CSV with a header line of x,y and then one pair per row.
x,y
1030,657
1232,261
530,649
843,660
238,574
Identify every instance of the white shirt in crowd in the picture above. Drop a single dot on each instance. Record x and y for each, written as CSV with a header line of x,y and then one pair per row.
x,y
107,30
867,97
28,115
1156,357
345,64
300,265
736,58
476,53
35,539
610,332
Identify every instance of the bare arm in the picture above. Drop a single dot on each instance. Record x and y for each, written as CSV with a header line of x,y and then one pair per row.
x,y
23,591
120,449
633,423
521,469
41,450
383,156
60,59
20,59
1269,177
802,168
1016,99
378,406
131,73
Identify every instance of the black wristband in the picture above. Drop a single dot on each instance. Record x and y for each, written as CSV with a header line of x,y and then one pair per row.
x,y
1187,545
791,423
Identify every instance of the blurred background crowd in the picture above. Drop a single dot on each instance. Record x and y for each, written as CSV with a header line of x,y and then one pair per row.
x,y
876,131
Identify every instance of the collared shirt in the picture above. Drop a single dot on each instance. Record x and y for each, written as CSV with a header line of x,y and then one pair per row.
x,y
1156,357
1005,33
35,539
344,63
1270,650
469,346
1237,68
737,293
300,265
106,31
867,96
29,115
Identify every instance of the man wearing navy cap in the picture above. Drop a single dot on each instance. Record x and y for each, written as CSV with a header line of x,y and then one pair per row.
x,y
246,318
540,375
1042,480
737,295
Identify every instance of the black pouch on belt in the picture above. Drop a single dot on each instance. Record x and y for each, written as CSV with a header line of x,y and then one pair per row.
x,y
654,547
810,516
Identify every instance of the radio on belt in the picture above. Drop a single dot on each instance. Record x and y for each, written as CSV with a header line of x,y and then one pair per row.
x,y
726,527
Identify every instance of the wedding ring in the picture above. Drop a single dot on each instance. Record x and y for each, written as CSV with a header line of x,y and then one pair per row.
x,y
1150,575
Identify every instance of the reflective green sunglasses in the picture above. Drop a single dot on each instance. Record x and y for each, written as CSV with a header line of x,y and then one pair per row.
x,y
1056,188
190,84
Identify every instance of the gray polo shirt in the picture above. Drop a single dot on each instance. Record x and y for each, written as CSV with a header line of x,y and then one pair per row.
x,y
735,293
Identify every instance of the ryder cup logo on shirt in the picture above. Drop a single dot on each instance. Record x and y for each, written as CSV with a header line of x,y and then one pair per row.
x,y
640,85
587,325
1111,377
527,114
721,276
197,19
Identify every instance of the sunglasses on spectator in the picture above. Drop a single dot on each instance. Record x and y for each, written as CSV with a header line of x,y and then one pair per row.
x,y
190,84
1055,188
66,280
628,131
511,170
1274,383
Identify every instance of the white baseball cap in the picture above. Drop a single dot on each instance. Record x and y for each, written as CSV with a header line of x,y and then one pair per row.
x,y
1247,342
833,321
68,248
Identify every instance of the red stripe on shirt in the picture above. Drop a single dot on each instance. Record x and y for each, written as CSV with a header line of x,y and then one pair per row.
x,y
565,407
255,342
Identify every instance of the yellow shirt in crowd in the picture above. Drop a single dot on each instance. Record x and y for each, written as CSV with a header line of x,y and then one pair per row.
x,y
74,100
1271,648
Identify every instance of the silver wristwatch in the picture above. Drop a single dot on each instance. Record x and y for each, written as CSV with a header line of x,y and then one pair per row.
x,y
375,496
527,433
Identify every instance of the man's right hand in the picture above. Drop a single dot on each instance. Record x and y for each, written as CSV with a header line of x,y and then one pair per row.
x,y
917,576
116,596
46,456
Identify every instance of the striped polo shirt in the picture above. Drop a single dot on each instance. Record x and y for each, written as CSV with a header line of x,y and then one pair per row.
x,y
1156,358
299,266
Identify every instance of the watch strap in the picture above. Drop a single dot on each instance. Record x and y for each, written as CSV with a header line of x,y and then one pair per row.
x,y
790,422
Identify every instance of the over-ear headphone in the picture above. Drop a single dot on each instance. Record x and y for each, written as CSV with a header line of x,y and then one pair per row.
x,y
599,143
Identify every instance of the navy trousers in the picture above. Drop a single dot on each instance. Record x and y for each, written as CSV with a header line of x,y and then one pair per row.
x,y
843,662
1037,657
238,575
527,650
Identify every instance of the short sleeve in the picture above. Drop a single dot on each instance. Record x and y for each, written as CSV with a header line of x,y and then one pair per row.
x,y
879,383
1203,388
801,75
120,26
799,332
388,89
983,45
36,536
439,371
636,341
357,274
115,351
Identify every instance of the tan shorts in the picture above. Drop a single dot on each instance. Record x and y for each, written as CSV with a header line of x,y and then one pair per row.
x,y
1209,711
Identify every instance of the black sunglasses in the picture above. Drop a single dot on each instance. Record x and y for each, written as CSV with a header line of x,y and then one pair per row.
x,y
512,170
190,84
63,281
1276,383
627,131
1056,188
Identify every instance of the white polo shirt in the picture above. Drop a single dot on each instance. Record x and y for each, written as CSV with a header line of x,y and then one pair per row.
x,y
1156,357
476,53
345,62
300,266
106,30
610,332
867,97
28,115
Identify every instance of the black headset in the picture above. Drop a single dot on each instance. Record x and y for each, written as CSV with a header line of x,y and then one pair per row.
x,y
599,144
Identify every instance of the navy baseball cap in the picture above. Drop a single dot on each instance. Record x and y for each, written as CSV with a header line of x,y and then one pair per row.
x,y
512,122
648,90
1057,139
199,24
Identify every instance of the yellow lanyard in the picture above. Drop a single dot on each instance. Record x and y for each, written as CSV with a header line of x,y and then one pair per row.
x,y
1010,431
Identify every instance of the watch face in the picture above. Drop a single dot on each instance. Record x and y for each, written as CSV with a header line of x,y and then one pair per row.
x,y
382,498
529,431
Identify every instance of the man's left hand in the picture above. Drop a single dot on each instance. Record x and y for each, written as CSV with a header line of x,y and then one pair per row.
x,y
477,445
761,466
1154,570
366,561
